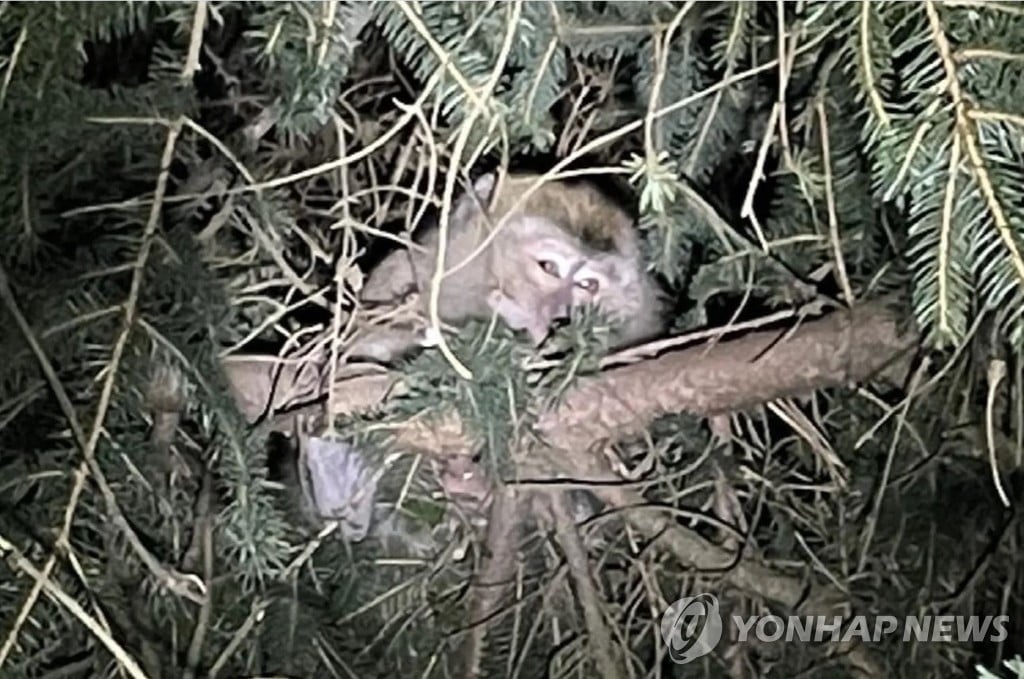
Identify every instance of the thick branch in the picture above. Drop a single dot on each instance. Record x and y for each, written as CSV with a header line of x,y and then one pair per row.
x,y
843,347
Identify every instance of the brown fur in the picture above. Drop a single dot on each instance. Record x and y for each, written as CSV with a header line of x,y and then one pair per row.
x,y
570,222
577,206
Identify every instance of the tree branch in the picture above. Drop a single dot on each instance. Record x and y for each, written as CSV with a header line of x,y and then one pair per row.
x,y
841,348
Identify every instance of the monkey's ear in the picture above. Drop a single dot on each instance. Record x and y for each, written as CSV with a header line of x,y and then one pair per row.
x,y
476,200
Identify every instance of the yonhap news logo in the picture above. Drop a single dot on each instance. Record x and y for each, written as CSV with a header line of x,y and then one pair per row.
x,y
692,628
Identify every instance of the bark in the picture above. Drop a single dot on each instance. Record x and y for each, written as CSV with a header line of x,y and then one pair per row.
x,y
841,348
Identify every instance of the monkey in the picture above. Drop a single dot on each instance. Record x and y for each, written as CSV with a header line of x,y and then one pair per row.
x,y
565,246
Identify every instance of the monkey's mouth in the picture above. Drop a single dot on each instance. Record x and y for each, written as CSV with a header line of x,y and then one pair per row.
x,y
536,315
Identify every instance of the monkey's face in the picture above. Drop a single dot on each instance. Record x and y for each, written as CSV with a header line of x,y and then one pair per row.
x,y
546,272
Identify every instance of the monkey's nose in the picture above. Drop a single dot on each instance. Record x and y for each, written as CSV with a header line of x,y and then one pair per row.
x,y
561,304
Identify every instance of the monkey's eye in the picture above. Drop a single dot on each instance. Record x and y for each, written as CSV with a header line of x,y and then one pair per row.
x,y
589,284
548,266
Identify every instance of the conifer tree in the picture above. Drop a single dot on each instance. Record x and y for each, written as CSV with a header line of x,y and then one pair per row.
x,y
191,195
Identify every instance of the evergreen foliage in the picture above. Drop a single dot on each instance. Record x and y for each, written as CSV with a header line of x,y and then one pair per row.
x,y
183,181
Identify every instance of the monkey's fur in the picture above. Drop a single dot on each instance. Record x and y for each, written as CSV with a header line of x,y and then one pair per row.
x,y
566,245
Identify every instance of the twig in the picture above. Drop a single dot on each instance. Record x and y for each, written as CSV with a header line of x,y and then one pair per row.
x,y
43,582
747,209
915,144
204,536
444,57
599,642
997,116
195,44
407,116
328,24
256,614
967,53
88,445
883,484
785,67
661,51
557,170
987,5
633,354
877,105
965,129
449,189
996,373
946,236
935,380
830,201
308,173
18,44
740,11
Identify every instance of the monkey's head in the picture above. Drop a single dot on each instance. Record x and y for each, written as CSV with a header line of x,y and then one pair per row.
x,y
542,272
559,245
